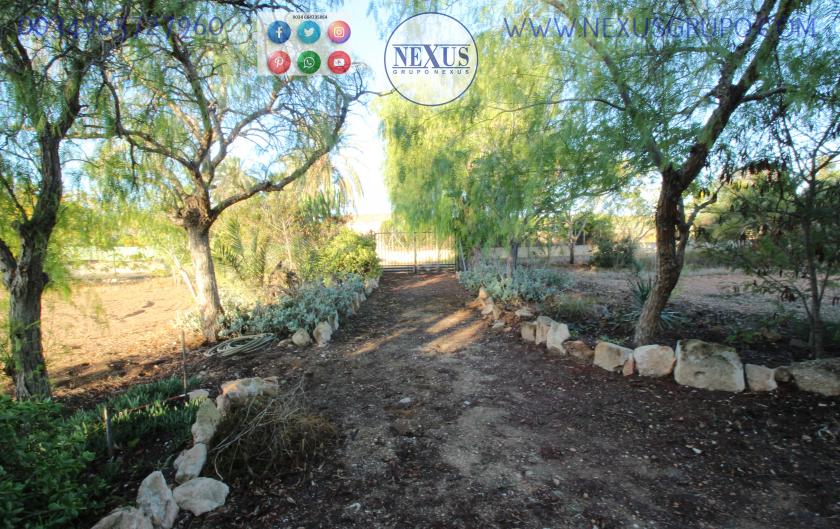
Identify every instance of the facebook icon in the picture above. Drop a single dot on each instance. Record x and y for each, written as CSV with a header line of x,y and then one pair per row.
x,y
279,32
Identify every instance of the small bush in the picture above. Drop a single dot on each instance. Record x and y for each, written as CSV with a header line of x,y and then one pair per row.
x,y
349,253
310,304
614,254
573,307
640,288
144,410
43,467
270,436
526,284
46,459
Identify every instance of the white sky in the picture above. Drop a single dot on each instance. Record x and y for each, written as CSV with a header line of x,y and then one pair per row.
x,y
363,151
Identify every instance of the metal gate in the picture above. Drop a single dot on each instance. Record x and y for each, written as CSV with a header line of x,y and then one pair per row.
x,y
404,251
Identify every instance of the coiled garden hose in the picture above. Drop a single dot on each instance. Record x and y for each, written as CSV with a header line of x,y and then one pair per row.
x,y
241,345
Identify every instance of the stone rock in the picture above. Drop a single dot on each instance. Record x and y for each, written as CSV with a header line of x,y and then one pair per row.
x,y
654,360
197,394
405,402
474,304
629,367
301,338
708,366
496,313
817,376
156,501
543,326
498,325
482,294
334,321
524,313
528,330
557,334
371,284
579,349
322,334
760,378
362,297
611,357
189,464
222,404
201,495
247,388
206,419
488,307
125,518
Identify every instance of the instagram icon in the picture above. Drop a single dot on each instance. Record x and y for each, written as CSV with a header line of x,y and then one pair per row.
x,y
338,31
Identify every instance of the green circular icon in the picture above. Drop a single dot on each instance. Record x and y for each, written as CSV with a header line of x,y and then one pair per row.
x,y
309,62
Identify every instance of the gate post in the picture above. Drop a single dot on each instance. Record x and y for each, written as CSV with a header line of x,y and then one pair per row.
x,y
415,252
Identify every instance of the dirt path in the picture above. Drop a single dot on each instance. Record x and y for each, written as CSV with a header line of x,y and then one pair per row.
x,y
498,433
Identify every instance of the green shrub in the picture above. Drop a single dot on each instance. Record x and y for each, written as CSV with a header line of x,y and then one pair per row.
x,y
526,284
640,288
348,253
46,474
43,467
310,304
614,254
142,411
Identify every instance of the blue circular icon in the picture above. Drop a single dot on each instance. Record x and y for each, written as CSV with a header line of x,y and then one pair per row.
x,y
279,32
308,32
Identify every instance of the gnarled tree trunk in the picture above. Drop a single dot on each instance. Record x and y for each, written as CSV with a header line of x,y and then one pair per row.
x,y
26,280
671,240
207,291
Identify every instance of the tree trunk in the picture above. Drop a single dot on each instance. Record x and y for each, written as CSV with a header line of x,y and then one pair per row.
x,y
571,252
28,366
209,304
27,280
513,258
670,254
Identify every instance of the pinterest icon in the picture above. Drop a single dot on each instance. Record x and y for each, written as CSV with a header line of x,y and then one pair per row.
x,y
279,62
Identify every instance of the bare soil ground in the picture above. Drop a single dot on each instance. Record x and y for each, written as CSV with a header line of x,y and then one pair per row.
x,y
106,335
499,433
715,305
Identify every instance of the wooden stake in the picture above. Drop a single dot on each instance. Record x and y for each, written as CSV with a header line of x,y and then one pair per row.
x,y
109,438
184,361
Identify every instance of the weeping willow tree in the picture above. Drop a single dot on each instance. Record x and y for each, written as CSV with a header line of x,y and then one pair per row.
x,y
180,108
499,164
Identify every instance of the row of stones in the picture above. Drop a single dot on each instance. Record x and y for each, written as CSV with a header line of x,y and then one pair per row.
x,y
157,504
322,333
694,363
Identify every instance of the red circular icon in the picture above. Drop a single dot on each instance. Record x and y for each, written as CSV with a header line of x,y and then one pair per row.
x,y
338,62
279,62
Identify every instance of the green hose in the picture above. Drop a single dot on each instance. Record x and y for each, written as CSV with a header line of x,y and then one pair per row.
x,y
241,345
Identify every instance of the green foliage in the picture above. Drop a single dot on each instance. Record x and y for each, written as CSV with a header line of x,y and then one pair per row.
x,y
43,467
640,289
610,253
310,304
525,284
571,307
46,478
349,253
142,411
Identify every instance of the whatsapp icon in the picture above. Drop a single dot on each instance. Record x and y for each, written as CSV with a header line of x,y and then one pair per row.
x,y
309,62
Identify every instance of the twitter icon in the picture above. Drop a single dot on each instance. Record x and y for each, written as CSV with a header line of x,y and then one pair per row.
x,y
308,32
